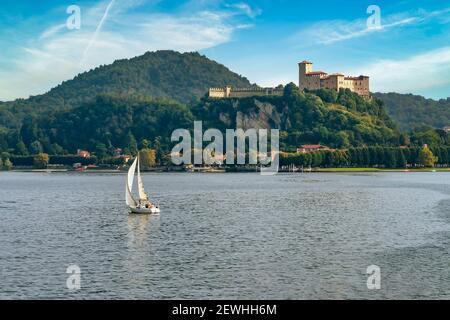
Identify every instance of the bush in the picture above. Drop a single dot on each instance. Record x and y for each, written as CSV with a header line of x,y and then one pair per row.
x,y
40,161
148,158
113,161
7,165
69,160
22,160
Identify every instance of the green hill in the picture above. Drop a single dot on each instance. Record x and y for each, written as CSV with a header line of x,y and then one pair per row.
x,y
339,120
412,111
327,117
183,77
106,123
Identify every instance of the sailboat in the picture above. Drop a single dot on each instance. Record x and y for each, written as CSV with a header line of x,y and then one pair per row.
x,y
142,204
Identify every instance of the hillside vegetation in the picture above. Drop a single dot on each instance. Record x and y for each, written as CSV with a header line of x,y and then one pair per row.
x,y
327,117
114,121
183,77
411,111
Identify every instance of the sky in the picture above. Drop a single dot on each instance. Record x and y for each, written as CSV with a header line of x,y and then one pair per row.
x,y
404,46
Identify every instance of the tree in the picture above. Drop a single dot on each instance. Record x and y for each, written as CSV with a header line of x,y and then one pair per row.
x,y
145,144
444,157
166,160
342,139
373,156
36,147
21,149
57,149
131,144
148,158
41,160
404,139
159,152
290,90
4,156
426,136
316,159
3,142
366,156
29,130
327,95
390,159
401,159
7,165
427,158
101,150
380,156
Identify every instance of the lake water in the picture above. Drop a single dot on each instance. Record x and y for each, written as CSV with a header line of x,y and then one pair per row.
x,y
226,236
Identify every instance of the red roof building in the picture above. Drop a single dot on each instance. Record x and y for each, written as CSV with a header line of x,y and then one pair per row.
x,y
125,157
316,73
83,153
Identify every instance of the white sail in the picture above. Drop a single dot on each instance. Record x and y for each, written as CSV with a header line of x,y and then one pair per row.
x,y
141,190
128,195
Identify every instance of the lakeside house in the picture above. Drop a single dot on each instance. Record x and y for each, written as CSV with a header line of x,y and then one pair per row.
x,y
446,129
125,157
83,153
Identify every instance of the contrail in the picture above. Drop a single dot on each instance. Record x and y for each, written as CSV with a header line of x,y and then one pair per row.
x,y
99,27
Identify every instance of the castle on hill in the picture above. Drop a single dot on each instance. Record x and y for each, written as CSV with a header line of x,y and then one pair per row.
x,y
308,79
313,80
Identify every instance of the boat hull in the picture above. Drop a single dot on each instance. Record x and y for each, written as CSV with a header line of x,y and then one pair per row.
x,y
152,210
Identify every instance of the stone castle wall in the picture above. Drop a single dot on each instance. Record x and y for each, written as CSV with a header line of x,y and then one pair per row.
x,y
228,92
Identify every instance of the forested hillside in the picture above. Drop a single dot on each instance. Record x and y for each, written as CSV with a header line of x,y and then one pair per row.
x,y
411,111
183,77
112,121
335,119
102,125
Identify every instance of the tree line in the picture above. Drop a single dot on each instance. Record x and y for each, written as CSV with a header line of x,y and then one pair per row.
x,y
43,160
380,157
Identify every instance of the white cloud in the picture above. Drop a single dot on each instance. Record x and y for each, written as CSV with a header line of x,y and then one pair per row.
x,y
414,74
244,7
52,31
59,54
332,31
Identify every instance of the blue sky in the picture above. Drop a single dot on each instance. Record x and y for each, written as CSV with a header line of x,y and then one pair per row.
x,y
263,40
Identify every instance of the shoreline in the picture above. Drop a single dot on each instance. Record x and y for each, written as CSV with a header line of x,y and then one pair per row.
x,y
369,170
319,170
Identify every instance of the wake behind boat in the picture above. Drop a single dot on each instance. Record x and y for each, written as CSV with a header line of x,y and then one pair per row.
x,y
142,204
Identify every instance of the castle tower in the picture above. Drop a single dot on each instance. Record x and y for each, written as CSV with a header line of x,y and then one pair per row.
x,y
227,91
304,68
